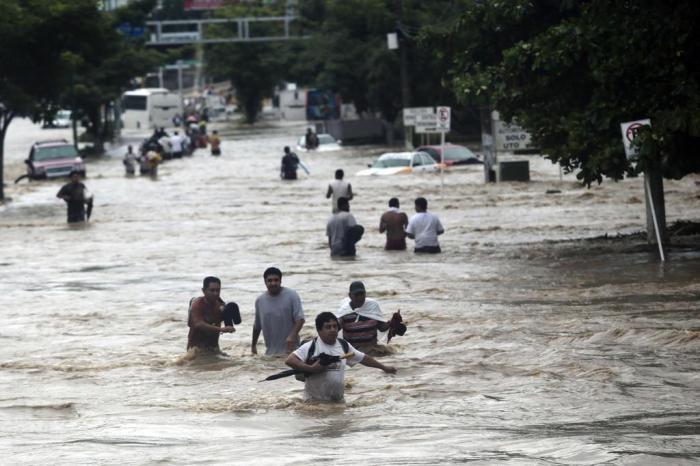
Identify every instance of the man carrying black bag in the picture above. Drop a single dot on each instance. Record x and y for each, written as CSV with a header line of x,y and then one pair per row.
x,y
206,314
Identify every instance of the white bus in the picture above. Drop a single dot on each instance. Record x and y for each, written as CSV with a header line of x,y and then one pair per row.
x,y
149,108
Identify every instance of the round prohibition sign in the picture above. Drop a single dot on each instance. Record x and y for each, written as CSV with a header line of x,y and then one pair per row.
x,y
632,131
443,114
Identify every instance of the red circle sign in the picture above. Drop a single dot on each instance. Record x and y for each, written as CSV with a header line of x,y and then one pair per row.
x,y
632,131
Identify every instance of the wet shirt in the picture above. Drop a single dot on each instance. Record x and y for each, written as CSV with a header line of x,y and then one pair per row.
x,y
214,141
290,162
339,188
212,315
359,325
328,385
424,226
275,316
336,229
74,191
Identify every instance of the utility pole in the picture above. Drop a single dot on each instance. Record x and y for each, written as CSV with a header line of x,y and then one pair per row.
x,y
405,89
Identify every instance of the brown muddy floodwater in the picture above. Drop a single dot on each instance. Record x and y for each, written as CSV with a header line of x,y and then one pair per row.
x,y
526,343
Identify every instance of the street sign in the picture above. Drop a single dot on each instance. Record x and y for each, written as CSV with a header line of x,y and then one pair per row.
x,y
428,120
443,118
410,113
629,132
426,123
509,137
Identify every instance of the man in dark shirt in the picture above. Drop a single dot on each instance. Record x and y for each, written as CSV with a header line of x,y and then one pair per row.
x,y
290,162
206,315
76,197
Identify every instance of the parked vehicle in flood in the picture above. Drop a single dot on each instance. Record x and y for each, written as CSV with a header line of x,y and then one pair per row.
x,y
54,158
400,163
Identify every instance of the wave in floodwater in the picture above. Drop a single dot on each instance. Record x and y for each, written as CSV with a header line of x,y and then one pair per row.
x,y
533,338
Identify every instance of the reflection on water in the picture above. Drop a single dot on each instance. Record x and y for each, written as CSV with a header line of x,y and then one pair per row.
x,y
526,343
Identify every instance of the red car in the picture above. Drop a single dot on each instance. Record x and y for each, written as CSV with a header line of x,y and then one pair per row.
x,y
53,159
454,154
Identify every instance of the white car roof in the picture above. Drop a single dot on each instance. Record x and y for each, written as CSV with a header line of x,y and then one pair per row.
x,y
397,155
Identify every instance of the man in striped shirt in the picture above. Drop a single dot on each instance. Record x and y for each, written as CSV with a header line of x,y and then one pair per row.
x,y
360,318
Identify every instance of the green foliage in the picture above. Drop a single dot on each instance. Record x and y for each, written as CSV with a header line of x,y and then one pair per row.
x,y
253,68
571,72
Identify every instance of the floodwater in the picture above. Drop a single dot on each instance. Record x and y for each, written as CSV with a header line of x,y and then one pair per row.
x,y
527,343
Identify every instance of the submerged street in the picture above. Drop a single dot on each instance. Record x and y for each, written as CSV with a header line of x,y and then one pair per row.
x,y
528,342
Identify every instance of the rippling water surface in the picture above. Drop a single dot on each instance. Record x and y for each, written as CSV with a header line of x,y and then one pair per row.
x,y
526,345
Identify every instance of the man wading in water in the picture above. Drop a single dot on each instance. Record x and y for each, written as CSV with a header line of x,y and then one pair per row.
x,y
326,382
76,197
206,315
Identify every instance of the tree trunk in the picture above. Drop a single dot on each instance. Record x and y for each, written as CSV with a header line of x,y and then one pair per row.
x,y
654,184
5,120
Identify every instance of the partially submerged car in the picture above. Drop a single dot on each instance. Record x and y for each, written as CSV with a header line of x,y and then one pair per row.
x,y
61,120
53,159
454,154
326,143
399,163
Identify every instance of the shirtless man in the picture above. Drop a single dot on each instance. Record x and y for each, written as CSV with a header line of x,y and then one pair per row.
x,y
206,315
394,223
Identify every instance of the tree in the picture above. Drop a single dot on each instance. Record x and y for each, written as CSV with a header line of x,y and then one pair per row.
x,y
63,53
39,38
570,72
104,67
253,68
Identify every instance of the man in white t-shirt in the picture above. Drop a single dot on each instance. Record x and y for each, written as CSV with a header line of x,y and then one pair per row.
x,y
424,227
177,141
338,188
326,382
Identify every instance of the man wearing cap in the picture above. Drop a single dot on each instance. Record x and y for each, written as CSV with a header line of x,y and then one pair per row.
x,y
205,317
360,318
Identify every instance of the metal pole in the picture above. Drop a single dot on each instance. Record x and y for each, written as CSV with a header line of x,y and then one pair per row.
x,y
494,160
653,216
179,84
442,161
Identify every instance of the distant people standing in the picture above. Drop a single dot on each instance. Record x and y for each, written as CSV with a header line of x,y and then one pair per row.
x,y
215,143
130,160
290,163
310,140
338,188
77,197
177,143
424,227
278,315
343,231
394,223
153,159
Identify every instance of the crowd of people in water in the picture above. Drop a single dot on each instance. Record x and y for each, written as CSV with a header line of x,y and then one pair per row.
x,y
162,146
279,314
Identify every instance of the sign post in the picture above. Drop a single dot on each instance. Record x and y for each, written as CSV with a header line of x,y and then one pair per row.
x,y
630,130
429,120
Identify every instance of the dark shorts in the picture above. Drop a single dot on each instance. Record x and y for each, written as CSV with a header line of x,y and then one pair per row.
x,y
428,250
216,151
290,175
395,245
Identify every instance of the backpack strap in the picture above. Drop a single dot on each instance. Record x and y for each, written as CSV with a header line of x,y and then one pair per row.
x,y
310,354
312,348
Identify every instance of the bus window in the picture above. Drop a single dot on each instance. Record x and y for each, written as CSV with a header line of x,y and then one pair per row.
x,y
134,102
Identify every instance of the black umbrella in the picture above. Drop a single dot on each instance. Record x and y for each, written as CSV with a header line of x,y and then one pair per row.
x,y
323,358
